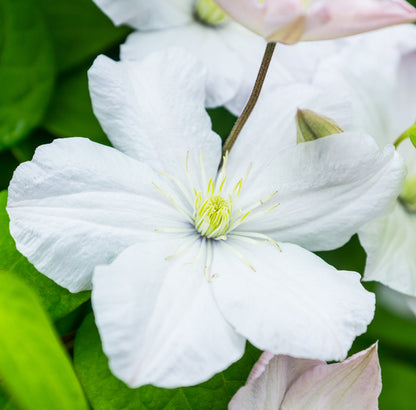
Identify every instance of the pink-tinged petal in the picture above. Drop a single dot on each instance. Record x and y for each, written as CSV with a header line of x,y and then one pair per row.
x,y
358,16
289,301
289,21
157,318
269,381
350,385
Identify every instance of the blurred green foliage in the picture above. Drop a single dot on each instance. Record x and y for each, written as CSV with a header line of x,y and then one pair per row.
x,y
46,48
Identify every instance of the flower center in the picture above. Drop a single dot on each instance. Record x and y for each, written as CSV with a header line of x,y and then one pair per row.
x,y
207,12
408,194
212,217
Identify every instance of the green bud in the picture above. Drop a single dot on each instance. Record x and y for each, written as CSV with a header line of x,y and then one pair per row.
x,y
408,194
311,126
409,133
209,13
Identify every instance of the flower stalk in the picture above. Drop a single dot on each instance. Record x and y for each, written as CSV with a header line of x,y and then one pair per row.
x,y
261,76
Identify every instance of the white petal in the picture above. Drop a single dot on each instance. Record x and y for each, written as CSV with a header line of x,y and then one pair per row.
x,y
78,204
147,15
293,303
275,377
157,318
272,127
327,190
383,112
390,245
208,45
352,384
153,110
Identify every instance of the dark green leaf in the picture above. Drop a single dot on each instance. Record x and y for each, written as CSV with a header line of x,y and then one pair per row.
x,y
222,121
79,31
350,257
399,381
70,112
57,301
26,69
107,392
34,367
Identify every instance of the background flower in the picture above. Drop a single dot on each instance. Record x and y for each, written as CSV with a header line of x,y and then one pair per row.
x,y
289,21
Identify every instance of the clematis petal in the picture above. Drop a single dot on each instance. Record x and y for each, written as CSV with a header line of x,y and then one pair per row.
x,y
289,21
390,244
360,16
373,111
224,67
274,376
147,15
144,106
272,127
352,384
78,204
166,328
327,190
289,302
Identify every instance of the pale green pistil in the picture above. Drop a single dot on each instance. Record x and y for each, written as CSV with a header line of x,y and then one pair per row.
x,y
209,13
408,194
213,216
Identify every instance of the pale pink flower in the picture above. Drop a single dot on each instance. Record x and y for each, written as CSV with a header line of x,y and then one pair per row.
x,y
289,21
283,382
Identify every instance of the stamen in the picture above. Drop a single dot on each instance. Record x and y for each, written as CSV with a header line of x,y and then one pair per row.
x,y
256,235
180,186
180,209
240,256
184,246
199,252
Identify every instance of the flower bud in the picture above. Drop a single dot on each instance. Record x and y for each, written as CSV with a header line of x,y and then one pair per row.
x,y
311,126
209,13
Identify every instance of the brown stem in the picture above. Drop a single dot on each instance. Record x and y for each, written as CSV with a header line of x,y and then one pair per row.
x,y
238,126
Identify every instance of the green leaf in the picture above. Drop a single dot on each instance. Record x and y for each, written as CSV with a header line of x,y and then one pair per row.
x,y
34,367
26,69
399,381
70,112
57,301
350,257
7,165
79,31
222,121
106,392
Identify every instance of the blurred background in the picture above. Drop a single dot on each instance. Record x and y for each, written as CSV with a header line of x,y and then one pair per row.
x,y
46,48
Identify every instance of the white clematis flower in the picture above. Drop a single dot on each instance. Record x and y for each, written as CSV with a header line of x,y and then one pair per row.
x,y
382,98
230,53
283,382
199,259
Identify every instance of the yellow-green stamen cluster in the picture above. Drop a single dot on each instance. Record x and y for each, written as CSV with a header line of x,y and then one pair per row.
x,y
209,13
213,216
408,194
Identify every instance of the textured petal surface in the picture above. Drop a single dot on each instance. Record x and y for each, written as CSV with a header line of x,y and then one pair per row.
x,y
350,385
274,376
289,302
148,15
230,54
157,317
390,245
327,190
78,204
289,21
145,106
383,112
358,16
272,127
